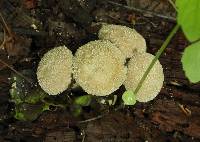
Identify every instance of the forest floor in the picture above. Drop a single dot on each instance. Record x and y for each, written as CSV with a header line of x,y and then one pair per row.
x,y
39,25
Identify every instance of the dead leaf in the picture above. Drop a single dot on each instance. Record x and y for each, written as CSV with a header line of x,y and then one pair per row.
x,y
13,44
29,4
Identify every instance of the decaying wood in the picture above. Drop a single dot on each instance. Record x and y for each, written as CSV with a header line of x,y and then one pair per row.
x,y
173,116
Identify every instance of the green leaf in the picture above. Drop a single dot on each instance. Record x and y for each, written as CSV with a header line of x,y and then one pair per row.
x,y
15,94
76,110
22,91
189,18
17,91
36,95
83,100
129,98
20,87
191,62
29,112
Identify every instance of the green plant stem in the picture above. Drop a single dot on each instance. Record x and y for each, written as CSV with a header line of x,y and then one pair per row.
x,y
173,4
52,104
160,51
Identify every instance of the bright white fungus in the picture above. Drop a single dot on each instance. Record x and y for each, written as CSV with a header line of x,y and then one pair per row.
x,y
128,40
99,67
54,70
154,81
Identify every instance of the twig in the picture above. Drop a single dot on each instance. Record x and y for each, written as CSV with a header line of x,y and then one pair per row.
x,y
186,111
52,104
92,119
7,29
173,5
83,133
18,73
4,39
143,11
100,116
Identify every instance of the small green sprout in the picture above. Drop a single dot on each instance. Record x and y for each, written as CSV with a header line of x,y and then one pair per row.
x,y
83,100
129,98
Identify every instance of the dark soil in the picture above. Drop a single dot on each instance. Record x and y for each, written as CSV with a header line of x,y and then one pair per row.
x,y
174,116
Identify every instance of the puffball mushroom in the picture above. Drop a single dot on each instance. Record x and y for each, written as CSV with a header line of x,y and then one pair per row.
x,y
99,67
54,70
154,81
126,39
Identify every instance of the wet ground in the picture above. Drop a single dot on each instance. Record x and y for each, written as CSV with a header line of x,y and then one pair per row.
x,y
36,26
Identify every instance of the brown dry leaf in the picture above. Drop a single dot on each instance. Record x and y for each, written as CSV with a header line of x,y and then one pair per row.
x,y
29,4
17,45
4,57
3,79
14,45
159,6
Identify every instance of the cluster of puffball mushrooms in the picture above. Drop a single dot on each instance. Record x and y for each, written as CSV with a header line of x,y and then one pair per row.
x,y
99,66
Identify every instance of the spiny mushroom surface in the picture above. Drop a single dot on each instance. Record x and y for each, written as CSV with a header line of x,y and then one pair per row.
x,y
154,81
54,70
99,67
126,39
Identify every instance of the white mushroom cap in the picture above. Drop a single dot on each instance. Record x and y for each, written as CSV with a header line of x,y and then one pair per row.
x,y
126,39
99,67
154,81
54,70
